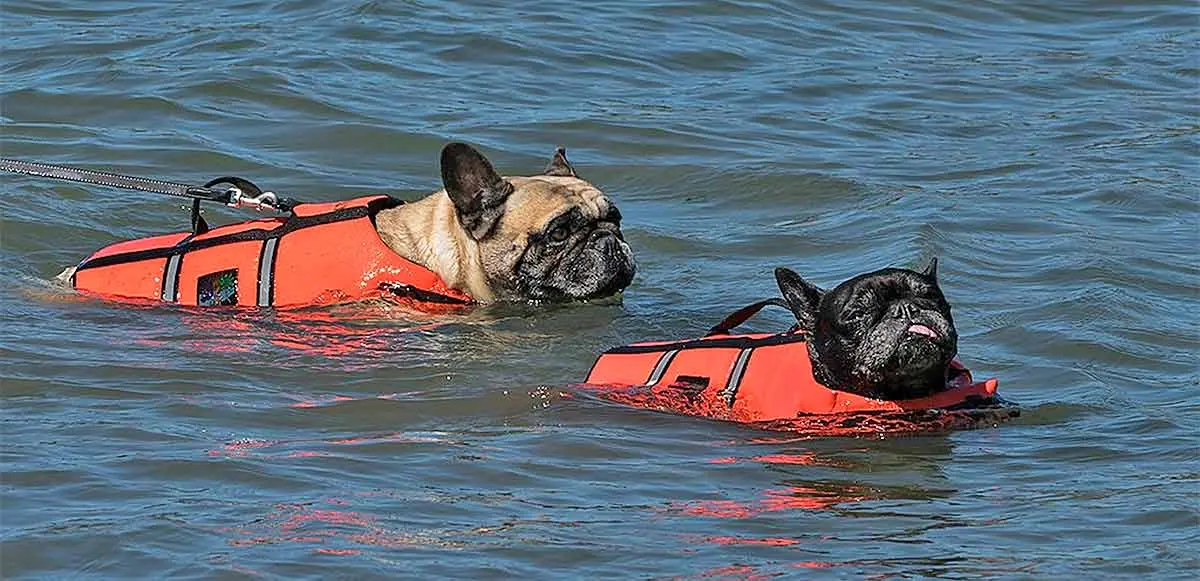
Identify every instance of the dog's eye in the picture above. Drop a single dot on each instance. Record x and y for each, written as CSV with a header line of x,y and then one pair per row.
x,y
857,314
560,233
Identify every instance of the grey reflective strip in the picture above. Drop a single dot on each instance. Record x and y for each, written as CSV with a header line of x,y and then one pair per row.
x,y
661,367
171,278
266,271
735,376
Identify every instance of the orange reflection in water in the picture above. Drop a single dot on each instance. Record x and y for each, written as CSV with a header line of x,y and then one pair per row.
x,y
753,572
278,449
362,329
348,531
789,498
746,572
816,497
761,541
792,458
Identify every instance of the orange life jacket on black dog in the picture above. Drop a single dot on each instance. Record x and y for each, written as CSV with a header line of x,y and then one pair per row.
x,y
321,254
749,378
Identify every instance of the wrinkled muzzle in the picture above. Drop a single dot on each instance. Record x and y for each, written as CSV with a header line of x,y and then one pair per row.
x,y
601,266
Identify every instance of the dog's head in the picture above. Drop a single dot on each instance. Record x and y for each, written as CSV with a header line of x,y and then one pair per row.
x,y
887,333
550,237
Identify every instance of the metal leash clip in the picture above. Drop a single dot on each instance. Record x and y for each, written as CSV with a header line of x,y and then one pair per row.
x,y
238,199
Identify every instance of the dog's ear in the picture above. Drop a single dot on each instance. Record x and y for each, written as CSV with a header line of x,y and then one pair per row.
x,y
803,298
478,192
559,166
930,271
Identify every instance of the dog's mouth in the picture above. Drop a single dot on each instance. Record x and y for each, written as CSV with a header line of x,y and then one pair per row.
x,y
919,329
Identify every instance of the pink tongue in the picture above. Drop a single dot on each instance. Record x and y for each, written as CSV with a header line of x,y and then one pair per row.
x,y
922,330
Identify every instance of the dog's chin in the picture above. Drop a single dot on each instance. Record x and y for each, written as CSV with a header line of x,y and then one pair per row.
x,y
901,359
917,353
610,299
916,367
606,288
614,288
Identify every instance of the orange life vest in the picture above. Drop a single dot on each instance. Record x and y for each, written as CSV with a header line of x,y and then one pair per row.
x,y
748,378
322,254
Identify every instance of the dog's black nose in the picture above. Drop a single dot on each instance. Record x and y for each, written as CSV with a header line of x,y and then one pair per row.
x,y
604,228
612,214
906,309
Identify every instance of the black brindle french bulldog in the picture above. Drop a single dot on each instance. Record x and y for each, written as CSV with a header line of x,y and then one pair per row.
x,y
885,334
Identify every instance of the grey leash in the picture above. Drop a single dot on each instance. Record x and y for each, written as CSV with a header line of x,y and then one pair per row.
x,y
236,192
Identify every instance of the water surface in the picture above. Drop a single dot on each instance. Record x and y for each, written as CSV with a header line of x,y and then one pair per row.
x,y
1046,152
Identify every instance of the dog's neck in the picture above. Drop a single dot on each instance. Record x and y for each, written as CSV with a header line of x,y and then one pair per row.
x,y
428,233
820,371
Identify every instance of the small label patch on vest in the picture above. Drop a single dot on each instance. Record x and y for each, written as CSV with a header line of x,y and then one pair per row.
x,y
218,289
692,382
691,386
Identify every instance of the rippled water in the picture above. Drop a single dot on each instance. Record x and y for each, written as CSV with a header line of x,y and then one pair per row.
x,y
1046,151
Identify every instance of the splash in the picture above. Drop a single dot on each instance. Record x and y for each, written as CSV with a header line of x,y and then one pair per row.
x,y
893,424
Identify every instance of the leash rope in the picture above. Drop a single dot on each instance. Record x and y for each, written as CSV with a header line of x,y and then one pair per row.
x,y
239,193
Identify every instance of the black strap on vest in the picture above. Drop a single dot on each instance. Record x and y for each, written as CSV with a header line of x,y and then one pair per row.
x,y
200,226
735,342
189,244
743,314
424,296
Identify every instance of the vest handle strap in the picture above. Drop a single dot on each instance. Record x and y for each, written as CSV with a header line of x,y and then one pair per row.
x,y
742,315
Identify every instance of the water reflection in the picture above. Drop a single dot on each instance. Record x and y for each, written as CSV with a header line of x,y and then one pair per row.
x,y
809,482
329,528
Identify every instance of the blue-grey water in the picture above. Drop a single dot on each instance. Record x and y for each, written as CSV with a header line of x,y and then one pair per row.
x,y
1045,151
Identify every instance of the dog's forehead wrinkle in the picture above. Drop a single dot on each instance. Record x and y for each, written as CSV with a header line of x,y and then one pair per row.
x,y
566,217
564,190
